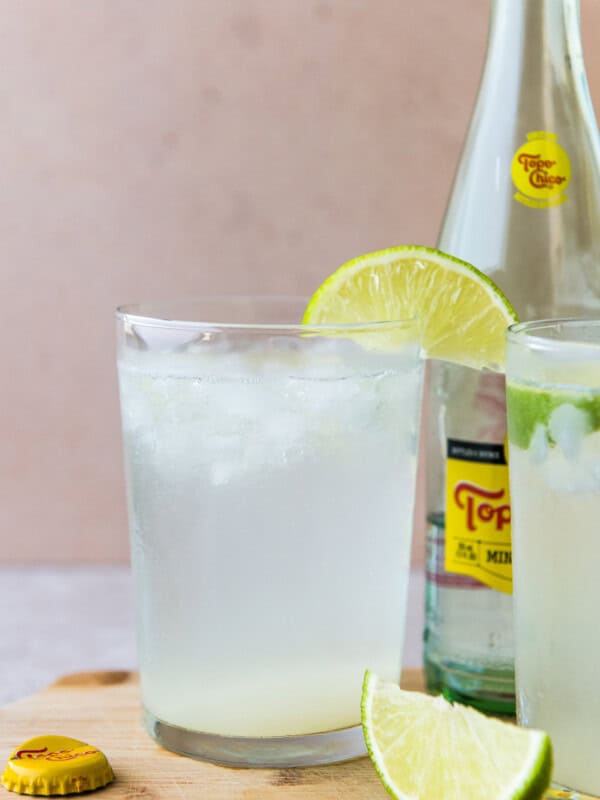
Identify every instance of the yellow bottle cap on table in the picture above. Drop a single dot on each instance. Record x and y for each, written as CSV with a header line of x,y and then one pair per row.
x,y
47,765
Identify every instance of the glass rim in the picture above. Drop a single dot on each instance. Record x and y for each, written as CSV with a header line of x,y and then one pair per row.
x,y
530,333
133,313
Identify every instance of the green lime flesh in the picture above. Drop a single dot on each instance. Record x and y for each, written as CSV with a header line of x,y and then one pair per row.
x,y
528,407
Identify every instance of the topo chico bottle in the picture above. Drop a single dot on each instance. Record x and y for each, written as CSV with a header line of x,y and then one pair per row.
x,y
524,208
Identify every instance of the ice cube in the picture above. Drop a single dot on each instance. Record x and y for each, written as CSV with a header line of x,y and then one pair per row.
x,y
163,338
538,447
568,425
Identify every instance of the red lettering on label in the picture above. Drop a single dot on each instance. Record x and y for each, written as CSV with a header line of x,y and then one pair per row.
x,y
537,168
534,162
471,498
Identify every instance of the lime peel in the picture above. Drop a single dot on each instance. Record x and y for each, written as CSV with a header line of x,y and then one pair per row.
x,y
463,314
425,748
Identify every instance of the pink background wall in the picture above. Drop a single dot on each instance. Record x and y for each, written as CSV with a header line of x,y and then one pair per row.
x,y
152,148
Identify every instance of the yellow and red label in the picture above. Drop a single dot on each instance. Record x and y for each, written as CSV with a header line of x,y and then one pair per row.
x,y
478,541
541,171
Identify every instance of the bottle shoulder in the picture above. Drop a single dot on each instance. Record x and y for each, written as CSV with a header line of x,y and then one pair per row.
x,y
525,202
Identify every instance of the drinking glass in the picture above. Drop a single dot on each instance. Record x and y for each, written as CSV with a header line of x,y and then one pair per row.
x,y
553,405
270,471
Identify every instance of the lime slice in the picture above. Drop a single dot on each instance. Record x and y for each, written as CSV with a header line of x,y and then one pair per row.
x,y
529,406
462,312
425,748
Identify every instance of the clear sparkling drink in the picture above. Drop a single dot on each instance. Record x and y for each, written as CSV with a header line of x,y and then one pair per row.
x,y
553,391
271,481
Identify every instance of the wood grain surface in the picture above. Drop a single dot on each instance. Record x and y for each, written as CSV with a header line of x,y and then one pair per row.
x,y
102,708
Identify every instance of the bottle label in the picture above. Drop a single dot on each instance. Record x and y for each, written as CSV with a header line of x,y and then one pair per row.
x,y
435,571
541,171
478,541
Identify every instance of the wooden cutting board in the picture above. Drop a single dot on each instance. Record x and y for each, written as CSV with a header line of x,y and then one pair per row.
x,y
102,708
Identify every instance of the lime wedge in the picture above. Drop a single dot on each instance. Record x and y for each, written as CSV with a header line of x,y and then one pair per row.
x,y
425,748
462,312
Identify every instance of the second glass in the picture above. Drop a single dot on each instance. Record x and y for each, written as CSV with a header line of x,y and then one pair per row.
x,y
271,476
553,405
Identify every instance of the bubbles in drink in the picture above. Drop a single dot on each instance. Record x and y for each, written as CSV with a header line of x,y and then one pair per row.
x,y
271,489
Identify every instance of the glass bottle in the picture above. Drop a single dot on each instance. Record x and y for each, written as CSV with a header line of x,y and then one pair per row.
x,y
525,209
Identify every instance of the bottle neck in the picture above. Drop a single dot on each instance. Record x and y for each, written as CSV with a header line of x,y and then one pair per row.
x,y
534,55
547,28
541,36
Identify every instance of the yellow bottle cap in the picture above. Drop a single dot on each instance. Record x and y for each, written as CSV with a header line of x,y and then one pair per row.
x,y
48,765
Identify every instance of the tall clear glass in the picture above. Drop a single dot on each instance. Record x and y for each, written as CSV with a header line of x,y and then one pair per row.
x,y
271,473
553,402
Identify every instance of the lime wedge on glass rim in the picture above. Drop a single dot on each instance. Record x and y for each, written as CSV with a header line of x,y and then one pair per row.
x,y
462,313
425,748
